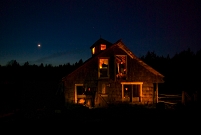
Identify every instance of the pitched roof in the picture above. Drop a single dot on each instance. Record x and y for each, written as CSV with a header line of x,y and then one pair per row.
x,y
101,41
121,45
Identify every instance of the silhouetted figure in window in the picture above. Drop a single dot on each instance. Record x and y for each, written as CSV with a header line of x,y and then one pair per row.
x,y
104,65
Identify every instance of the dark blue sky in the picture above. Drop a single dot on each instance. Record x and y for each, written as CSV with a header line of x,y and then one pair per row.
x,y
67,28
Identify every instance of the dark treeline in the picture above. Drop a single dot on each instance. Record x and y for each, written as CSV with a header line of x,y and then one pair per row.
x,y
32,86
35,86
13,71
181,72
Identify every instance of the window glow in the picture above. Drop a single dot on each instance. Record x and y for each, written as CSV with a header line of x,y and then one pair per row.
x,y
121,66
103,46
103,63
93,50
103,67
81,101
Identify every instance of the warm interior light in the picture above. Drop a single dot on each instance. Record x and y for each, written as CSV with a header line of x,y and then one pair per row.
x,y
103,63
81,101
103,46
93,50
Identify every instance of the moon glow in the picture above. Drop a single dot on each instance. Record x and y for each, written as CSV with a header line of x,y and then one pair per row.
x,y
38,45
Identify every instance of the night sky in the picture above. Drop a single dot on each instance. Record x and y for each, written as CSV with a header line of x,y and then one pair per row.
x,y
66,29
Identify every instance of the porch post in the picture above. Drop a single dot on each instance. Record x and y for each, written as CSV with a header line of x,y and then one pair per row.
x,y
153,94
156,92
140,92
75,94
122,88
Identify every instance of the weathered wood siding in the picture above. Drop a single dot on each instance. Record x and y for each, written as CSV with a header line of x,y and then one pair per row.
x,y
147,93
88,75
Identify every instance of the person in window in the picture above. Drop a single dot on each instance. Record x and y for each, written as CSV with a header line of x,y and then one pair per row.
x,y
104,65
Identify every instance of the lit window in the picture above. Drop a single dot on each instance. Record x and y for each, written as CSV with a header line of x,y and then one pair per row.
x,y
121,66
131,92
93,50
103,63
103,67
103,46
79,94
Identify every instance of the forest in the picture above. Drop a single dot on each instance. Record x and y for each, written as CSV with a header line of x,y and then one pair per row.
x,y
22,86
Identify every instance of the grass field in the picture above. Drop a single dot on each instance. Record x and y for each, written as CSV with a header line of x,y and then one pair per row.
x,y
113,114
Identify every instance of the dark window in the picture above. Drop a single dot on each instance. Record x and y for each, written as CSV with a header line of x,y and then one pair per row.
x,y
80,90
136,90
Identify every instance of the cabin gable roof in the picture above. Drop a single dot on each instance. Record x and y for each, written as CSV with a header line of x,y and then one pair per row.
x,y
122,46
101,41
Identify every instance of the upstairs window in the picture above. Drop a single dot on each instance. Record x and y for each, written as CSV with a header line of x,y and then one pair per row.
x,y
103,46
93,50
121,66
103,67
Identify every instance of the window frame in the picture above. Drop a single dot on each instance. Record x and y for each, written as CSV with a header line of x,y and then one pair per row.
x,y
93,50
83,96
117,73
99,68
103,47
132,83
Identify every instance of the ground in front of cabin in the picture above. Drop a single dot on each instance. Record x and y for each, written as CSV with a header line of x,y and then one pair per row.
x,y
123,115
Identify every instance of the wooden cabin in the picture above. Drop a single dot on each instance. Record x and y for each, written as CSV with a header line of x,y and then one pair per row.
x,y
112,75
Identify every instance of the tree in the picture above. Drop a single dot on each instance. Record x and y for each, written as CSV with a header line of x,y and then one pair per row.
x,y
41,65
13,63
26,64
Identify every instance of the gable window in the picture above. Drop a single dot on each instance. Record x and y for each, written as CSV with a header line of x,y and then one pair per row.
x,y
103,46
103,67
93,50
121,66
